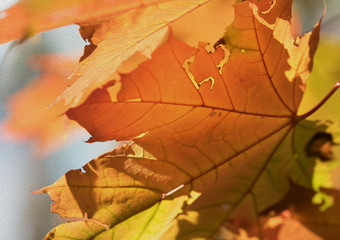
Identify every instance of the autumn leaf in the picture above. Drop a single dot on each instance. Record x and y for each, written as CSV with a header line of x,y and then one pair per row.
x,y
215,130
303,219
116,198
29,17
246,78
135,35
279,227
284,226
129,193
323,77
325,223
115,33
29,117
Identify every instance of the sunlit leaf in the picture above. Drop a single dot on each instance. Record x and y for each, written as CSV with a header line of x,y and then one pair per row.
x,y
110,187
29,17
325,74
134,35
216,129
246,78
116,31
128,192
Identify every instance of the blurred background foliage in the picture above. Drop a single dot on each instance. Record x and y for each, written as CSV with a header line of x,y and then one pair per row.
x,y
25,215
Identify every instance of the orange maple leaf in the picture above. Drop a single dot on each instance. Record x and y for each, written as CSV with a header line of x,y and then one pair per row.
x,y
138,33
213,127
117,30
258,73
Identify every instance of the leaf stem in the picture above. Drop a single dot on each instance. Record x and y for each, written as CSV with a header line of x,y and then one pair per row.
x,y
307,114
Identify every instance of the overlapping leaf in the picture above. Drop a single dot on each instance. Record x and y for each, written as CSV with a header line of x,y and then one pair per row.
x,y
215,130
323,78
129,193
325,224
116,30
133,35
260,67
29,17
301,219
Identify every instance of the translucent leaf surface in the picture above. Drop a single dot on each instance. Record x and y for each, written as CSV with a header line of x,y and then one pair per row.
x,y
115,30
215,131
261,78
29,17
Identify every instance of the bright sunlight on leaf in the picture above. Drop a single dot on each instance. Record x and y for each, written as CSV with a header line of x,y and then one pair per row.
x,y
207,96
215,127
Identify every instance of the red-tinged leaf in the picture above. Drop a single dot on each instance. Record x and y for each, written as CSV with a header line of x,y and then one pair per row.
x,y
325,224
294,217
29,117
302,219
218,131
285,227
279,227
129,193
136,34
116,30
261,75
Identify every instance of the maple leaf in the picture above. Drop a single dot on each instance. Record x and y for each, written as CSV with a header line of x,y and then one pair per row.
x,y
215,130
116,31
131,187
235,90
29,17
300,218
323,77
28,114
323,223
135,35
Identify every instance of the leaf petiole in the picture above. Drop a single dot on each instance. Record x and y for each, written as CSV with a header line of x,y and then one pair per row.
x,y
307,114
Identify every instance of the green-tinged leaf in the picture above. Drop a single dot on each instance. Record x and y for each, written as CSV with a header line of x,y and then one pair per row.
x,y
218,133
126,191
129,193
325,75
